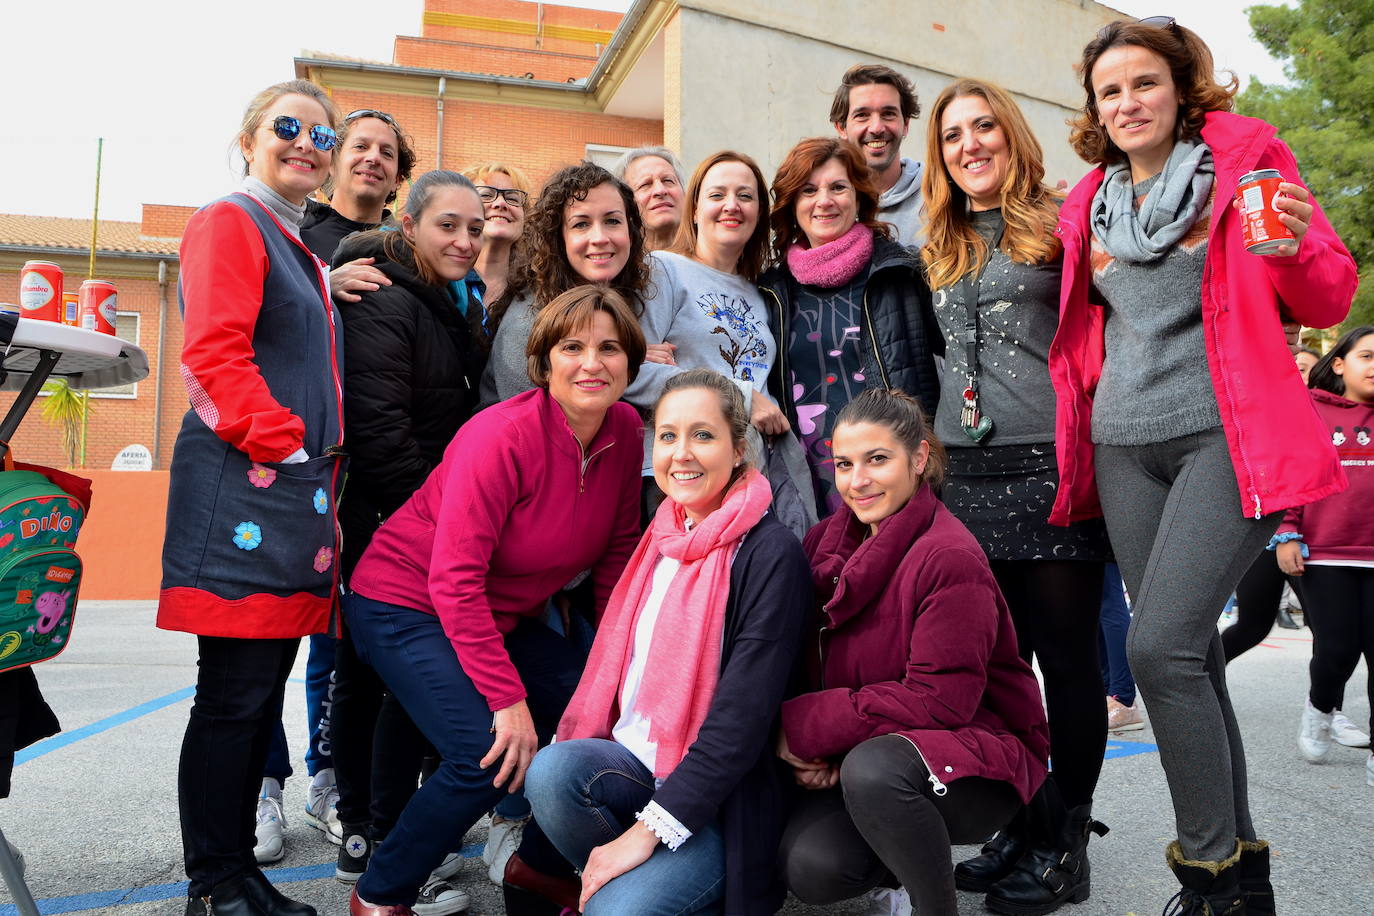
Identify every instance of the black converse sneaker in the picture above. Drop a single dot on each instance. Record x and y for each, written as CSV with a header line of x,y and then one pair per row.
x,y
354,852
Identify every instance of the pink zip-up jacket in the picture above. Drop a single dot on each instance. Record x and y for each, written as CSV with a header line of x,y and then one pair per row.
x,y
514,511
1341,529
1281,451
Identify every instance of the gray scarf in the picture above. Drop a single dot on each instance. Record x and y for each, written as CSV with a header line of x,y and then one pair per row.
x,y
1169,210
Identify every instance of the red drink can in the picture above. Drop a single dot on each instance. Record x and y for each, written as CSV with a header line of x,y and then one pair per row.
x,y
71,310
40,291
98,298
1260,226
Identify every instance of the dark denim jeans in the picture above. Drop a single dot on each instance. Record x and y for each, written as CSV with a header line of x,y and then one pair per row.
x,y
585,793
409,649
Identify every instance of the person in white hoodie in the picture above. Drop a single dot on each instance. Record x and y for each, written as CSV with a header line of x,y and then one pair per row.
x,y
873,108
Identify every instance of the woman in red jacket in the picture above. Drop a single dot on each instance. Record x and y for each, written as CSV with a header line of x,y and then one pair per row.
x,y
446,601
1176,388
924,725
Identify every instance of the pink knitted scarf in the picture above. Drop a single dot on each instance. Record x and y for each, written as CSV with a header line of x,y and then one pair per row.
x,y
684,654
833,263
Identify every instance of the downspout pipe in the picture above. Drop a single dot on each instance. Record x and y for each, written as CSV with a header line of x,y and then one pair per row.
x,y
439,143
161,348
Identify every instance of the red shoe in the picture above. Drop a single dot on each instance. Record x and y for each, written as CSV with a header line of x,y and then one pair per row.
x,y
532,893
356,907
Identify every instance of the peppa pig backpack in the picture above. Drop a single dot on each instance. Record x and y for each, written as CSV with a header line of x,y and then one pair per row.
x,y
40,572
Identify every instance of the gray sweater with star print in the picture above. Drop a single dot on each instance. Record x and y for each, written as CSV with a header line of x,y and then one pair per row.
x,y
1018,313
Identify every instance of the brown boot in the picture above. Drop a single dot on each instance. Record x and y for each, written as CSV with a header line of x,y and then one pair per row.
x,y
1209,888
532,893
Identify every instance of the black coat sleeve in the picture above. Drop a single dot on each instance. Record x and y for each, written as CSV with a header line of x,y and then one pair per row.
x,y
770,590
379,389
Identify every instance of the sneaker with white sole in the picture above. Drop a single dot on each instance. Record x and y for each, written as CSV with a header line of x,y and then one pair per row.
x,y
502,840
270,833
322,806
439,898
354,853
1123,718
888,901
1345,732
1314,738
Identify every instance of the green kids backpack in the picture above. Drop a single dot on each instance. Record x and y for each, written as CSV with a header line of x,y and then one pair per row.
x,y
40,572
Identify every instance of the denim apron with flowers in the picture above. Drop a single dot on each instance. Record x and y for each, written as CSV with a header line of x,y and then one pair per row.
x,y
251,548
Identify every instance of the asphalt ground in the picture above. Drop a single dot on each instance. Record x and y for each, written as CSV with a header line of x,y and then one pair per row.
x,y
94,808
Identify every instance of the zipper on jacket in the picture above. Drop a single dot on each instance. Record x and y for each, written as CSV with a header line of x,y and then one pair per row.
x,y
873,341
586,460
935,783
789,409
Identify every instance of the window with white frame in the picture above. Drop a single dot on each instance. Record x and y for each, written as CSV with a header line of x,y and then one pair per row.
x,y
126,328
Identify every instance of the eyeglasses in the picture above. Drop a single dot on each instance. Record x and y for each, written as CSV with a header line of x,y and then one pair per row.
x,y
372,113
512,195
289,128
1156,22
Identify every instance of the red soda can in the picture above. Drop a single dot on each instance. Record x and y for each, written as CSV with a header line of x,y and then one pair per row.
x,y
71,310
98,298
1260,226
40,291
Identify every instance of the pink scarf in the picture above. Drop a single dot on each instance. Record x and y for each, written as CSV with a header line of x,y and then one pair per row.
x,y
834,263
684,654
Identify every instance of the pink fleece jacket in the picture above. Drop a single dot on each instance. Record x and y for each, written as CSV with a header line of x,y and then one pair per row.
x,y
1341,527
1280,450
515,510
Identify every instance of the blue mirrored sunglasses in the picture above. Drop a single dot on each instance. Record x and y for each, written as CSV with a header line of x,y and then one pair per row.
x,y
289,128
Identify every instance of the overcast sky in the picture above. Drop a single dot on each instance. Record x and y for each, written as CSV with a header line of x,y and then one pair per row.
x,y
165,82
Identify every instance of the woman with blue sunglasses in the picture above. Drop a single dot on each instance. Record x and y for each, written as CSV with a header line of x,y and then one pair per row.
x,y
249,562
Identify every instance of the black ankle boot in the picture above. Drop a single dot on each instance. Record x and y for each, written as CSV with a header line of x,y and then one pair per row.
x,y
270,900
1286,620
1255,888
228,898
1050,874
1209,888
997,858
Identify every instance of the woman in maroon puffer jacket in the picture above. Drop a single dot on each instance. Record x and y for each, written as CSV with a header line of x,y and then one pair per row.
x,y
924,726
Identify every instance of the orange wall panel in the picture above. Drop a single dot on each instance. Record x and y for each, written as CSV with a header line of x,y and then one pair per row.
x,y
121,541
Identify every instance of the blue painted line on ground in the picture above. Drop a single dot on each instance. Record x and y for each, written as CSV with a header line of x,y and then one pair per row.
x,y
1128,749
60,741
78,903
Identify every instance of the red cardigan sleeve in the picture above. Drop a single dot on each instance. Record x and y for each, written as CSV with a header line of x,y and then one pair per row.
x,y
223,266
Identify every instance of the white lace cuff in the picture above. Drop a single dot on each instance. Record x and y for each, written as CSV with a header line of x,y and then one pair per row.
x,y
666,827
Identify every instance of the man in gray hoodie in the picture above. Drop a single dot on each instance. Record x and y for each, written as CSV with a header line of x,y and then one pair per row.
x,y
873,108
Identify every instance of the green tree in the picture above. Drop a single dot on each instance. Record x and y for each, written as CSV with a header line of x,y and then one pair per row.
x,y
1325,114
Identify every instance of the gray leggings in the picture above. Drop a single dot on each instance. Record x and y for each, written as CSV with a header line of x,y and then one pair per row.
x,y
1174,516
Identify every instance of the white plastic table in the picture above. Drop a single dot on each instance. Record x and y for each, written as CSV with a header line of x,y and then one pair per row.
x,y
33,352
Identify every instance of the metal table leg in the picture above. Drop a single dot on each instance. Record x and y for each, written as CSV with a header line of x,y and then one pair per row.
x,y
14,880
10,425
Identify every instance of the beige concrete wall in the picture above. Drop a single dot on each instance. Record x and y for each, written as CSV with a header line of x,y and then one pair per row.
x,y
758,75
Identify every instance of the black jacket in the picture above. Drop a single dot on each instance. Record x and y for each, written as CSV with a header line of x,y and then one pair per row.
x,y
731,771
412,364
325,228
899,326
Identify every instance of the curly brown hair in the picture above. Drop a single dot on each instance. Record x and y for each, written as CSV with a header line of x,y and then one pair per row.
x,y
1031,209
1190,65
795,172
540,262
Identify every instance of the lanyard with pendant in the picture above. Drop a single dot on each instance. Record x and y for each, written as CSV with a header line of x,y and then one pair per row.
x,y
975,423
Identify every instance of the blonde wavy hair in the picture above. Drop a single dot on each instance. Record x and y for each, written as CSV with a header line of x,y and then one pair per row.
x,y
1030,208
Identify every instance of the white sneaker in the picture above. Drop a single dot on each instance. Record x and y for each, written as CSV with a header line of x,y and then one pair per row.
x,y
439,898
270,832
888,901
452,864
322,806
1345,732
503,839
1314,739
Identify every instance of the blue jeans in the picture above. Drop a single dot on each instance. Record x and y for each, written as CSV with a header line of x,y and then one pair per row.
x,y
585,793
410,651
319,702
1116,620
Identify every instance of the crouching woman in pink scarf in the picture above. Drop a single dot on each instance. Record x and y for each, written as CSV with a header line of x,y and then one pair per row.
x,y
662,786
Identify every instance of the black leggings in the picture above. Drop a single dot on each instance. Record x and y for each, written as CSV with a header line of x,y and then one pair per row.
x,y
1339,607
1055,605
1257,605
885,822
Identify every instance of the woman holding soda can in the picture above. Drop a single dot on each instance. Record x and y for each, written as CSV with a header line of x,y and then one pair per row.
x,y
1180,418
